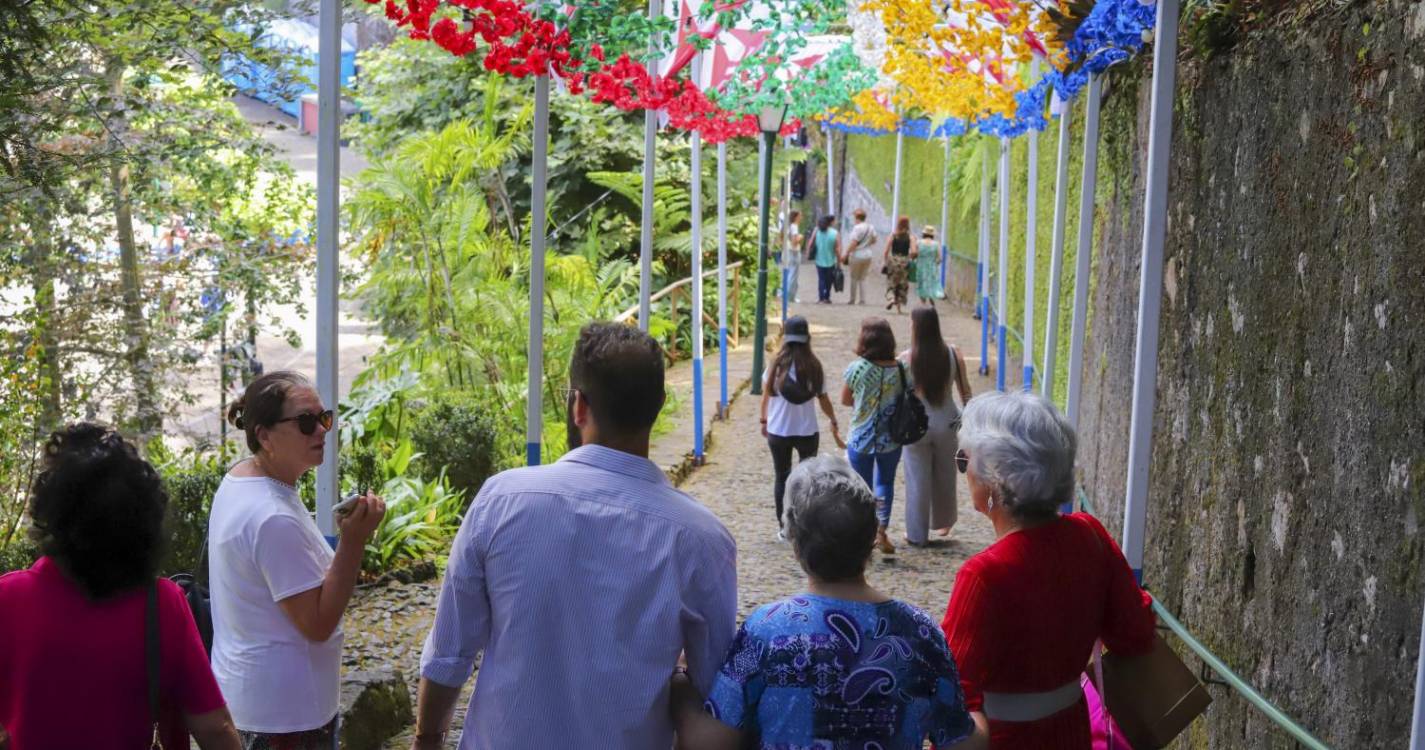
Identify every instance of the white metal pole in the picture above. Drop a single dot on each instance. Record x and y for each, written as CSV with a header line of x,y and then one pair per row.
x,y
1031,229
1084,249
984,266
1002,303
645,247
534,407
722,279
831,171
896,187
697,312
328,248
786,220
1150,286
945,216
1417,724
1056,262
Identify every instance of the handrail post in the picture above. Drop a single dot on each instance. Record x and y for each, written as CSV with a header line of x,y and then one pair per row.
x,y
1084,249
1002,299
1150,285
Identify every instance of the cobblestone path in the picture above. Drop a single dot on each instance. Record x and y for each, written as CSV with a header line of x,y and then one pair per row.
x,y
736,482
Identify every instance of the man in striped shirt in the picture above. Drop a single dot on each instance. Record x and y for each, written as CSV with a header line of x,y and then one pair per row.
x,y
583,581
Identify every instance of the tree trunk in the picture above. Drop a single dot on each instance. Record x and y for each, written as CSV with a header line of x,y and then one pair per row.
x,y
148,420
46,320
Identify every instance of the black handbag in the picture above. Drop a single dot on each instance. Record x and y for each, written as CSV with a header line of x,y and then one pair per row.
x,y
908,420
838,278
195,591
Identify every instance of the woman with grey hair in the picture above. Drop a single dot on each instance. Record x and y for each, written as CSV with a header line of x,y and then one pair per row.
x,y
1025,613
843,661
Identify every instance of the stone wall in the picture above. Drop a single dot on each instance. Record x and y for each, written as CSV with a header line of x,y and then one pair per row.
x,y
1288,468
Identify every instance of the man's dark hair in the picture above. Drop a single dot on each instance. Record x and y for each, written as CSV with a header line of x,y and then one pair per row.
x,y
97,510
619,371
877,342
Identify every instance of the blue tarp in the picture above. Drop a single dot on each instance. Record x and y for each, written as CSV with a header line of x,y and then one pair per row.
x,y
299,39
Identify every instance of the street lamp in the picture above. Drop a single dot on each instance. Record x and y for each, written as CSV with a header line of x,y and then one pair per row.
x,y
770,121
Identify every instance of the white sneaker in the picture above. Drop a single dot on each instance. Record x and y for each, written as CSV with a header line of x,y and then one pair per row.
x,y
781,536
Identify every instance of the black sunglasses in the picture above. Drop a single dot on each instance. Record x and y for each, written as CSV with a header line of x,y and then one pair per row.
x,y
962,460
307,423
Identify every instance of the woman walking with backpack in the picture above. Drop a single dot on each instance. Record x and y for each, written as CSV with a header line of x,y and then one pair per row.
x,y
930,499
788,414
874,383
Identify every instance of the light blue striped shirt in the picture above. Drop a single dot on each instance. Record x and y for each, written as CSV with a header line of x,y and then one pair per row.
x,y
581,582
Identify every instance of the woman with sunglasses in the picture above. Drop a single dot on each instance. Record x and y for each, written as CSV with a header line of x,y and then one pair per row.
x,y
1025,613
278,590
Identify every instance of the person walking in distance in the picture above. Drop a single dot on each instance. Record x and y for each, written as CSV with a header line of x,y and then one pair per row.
x,y
792,254
930,462
896,260
824,245
872,383
793,381
859,255
925,256
582,582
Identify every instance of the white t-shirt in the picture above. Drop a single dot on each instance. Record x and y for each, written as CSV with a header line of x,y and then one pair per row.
x,y
264,547
863,236
786,419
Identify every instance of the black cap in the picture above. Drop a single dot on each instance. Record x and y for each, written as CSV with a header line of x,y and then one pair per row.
x,y
795,330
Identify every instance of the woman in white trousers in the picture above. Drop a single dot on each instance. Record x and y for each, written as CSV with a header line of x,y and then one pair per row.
x,y
930,480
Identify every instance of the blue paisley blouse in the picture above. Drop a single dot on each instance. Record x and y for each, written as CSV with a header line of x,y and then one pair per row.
x,y
811,672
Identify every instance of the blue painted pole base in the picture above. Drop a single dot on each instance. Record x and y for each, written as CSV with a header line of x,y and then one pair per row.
x,y
722,370
698,411
531,454
984,336
1003,352
1029,377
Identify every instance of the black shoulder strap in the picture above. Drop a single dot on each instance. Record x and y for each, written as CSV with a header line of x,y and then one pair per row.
x,y
900,369
151,656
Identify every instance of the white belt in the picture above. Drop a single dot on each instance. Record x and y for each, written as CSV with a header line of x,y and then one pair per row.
x,y
1031,706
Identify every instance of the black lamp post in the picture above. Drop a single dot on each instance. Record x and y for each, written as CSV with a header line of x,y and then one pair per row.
x,y
770,121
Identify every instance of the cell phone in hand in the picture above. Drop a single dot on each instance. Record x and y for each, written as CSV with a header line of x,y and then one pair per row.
x,y
347,504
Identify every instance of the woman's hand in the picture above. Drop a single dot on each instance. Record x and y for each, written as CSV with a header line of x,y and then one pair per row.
x,y
764,428
836,435
363,519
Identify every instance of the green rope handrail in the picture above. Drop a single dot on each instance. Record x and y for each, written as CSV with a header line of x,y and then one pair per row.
x,y
1233,680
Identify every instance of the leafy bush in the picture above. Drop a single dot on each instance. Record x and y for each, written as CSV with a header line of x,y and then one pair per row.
x,y
421,520
19,554
191,481
457,438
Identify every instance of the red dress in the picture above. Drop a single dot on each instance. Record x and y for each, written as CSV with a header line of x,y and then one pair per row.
x,y
1024,615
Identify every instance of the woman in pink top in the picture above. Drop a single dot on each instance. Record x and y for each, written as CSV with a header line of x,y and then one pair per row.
x,y
73,672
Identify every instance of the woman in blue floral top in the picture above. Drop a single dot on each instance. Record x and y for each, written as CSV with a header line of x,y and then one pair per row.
x,y
841,666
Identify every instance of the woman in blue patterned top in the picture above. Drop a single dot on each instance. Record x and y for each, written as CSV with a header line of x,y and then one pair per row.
x,y
872,382
841,666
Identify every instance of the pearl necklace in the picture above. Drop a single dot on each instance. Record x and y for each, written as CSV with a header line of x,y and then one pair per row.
x,y
268,475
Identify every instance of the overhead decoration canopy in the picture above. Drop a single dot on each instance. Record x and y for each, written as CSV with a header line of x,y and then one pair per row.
x,y
923,67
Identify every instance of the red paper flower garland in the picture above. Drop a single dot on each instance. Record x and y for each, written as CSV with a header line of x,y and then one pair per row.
x,y
521,45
